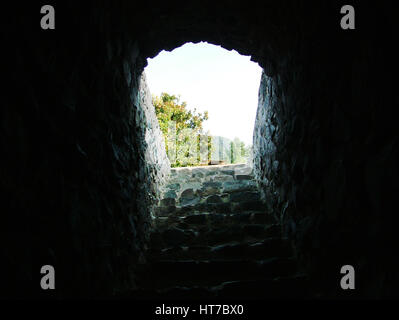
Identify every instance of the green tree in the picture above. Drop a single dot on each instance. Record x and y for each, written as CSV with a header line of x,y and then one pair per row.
x,y
239,151
182,130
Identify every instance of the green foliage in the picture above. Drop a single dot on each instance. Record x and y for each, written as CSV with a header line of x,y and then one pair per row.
x,y
186,143
231,151
182,130
239,151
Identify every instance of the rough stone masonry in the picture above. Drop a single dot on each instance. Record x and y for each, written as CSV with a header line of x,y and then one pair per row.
x,y
73,167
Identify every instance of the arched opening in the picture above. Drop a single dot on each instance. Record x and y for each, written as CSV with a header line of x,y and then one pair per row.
x,y
211,229
208,78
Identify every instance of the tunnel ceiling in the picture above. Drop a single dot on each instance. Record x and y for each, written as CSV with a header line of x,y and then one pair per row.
x,y
267,31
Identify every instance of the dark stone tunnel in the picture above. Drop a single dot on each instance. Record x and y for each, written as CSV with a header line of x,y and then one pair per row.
x,y
76,186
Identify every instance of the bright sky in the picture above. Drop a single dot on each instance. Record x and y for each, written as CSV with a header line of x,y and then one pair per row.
x,y
210,78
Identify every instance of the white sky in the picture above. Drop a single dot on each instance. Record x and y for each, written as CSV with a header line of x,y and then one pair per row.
x,y
211,78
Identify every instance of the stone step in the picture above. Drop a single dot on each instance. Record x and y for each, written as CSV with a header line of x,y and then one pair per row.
x,y
245,232
208,171
212,207
171,293
191,193
295,286
276,247
212,236
212,219
168,273
290,287
270,247
172,237
215,177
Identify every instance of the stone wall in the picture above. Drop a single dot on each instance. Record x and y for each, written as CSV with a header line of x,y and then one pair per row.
x,y
323,156
155,165
207,188
84,153
72,163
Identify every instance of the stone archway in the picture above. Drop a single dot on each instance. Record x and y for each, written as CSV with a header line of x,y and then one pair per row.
x,y
80,164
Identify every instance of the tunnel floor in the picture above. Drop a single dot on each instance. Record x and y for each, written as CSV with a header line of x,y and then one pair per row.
x,y
214,239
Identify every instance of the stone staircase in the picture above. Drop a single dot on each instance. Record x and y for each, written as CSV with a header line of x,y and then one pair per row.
x,y
213,239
